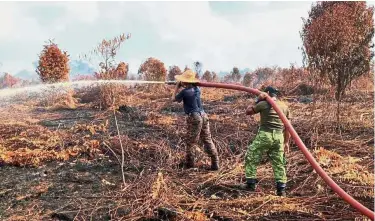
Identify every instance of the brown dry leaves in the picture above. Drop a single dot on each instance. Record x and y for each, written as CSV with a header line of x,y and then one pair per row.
x,y
36,145
153,70
337,39
158,186
346,168
53,64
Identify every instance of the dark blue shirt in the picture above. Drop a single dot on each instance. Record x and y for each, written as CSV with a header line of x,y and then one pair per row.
x,y
191,98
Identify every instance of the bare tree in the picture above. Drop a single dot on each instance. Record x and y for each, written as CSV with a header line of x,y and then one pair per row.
x,y
107,50
247,79
198,68
215,77
236,75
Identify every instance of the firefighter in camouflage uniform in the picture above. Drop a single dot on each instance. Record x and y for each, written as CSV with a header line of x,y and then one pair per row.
x,y
198,127
272,139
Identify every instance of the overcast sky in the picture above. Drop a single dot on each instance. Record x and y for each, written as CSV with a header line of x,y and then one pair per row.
x,y
219,34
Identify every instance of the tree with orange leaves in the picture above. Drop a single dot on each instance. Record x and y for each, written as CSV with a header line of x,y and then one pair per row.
x,y
153,70
53,64
173,71
53,67
207,76
118,73
337,42
122,70
8,81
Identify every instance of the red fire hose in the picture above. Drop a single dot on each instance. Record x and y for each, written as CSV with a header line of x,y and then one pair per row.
x,y
362,209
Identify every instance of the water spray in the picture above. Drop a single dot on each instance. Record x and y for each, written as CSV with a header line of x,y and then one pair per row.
x,y
171,82
8,94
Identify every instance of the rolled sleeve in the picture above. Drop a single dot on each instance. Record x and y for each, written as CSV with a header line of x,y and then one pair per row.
x,y
260,106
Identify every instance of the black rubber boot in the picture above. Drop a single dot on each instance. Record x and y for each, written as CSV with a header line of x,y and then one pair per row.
x,y
250,185
280,189
215,164
189,163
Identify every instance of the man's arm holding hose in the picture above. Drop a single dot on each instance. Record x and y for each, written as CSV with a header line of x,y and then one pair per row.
x,y
250,110
254,109
286,141
174,95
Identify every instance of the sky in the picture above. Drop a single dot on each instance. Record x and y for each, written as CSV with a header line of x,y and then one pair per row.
x,y
219,34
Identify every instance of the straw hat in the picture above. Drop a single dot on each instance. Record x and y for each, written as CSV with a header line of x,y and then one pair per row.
x,y
187,77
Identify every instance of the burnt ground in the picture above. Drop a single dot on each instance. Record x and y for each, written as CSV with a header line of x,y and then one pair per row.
x,y
65,164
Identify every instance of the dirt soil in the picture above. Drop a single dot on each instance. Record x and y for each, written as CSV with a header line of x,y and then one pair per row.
x,y
66,164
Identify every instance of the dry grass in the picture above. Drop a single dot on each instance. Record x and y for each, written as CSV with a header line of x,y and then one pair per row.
x,y
82,178
57,100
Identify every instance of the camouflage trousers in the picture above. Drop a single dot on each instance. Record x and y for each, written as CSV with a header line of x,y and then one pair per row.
x,y
271,143
198,128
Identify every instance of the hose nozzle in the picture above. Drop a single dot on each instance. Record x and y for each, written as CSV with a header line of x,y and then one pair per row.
x,y
171,82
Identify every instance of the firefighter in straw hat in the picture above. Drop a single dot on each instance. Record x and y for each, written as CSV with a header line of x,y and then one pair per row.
x,y
198,126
